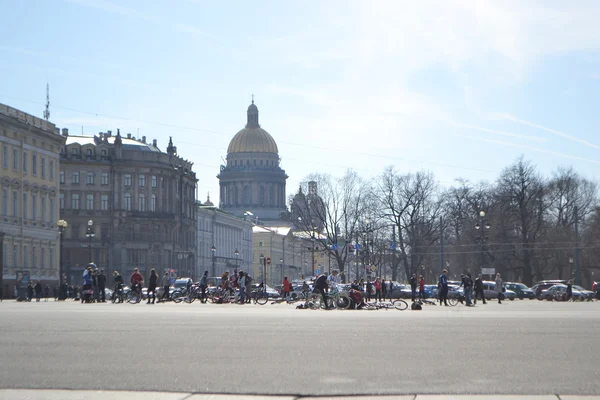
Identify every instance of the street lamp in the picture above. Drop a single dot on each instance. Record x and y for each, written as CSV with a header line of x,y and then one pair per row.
x,y
213,250
571,267
482,225
89,233
62,225
282,272
237,253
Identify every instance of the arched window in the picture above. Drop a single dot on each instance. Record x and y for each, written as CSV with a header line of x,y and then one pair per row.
x,y
90,154
262,195
142,202
254,162
127,202
246,195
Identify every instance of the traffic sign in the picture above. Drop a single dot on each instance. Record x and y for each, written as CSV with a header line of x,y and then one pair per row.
x,y
269,260
317,271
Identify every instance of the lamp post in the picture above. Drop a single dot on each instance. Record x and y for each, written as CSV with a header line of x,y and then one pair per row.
x,y
213,250
89,233
62,225
482,225
237,253
571,261
282,271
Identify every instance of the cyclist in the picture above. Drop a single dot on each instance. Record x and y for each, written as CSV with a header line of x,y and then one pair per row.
x,y
136,281
322,286
118,283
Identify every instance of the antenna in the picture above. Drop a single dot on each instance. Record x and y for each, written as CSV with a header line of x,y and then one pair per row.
x,y
47,110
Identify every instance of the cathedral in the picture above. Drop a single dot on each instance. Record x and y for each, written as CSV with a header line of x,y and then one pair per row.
x,y
252,179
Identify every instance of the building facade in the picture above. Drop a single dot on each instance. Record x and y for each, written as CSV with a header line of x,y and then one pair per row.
x,y
252,179
28,199
138,201
224,241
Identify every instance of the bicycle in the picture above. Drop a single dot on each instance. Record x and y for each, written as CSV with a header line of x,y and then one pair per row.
x,y
334,299
119,295
134,296
223,295
260,296
398,304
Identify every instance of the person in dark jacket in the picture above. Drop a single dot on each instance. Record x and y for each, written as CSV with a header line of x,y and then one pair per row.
x,y
443,285
322,286
369,289
413,286
203,285
152,282
569,289
101,279
479,290
38,291
29,291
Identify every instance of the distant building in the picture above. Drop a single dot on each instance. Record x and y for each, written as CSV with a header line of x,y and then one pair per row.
x,y
220,236
141,202
252,179
28,198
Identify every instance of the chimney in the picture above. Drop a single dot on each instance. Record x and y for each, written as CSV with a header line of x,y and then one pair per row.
x,y
154,143
129,136
57,131
109,133
65,132
143,139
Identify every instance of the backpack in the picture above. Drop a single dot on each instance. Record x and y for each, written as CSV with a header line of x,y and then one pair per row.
x,y
415,306
248,280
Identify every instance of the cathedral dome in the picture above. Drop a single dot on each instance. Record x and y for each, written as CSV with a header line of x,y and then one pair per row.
x,y
252,139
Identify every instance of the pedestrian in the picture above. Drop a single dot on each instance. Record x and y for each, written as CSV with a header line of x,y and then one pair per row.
x,y
95,285
101,279
569,289
203,285
421,287
499,288
55,292
234,279
88,282
118,280
248,280
152,283
38,291
46,292
29,291
391,291
479,290
443,287
242,285
321,286
377,285
369,289
383,289
413,286
468,287
287,288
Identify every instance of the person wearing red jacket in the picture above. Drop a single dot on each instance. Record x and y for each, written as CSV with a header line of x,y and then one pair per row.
x,y
136,280
287,287
421,287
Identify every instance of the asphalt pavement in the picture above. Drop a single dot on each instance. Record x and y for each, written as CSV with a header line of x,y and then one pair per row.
x,y
519,347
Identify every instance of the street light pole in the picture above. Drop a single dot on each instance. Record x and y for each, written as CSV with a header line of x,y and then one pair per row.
x,y
62,225
237,253
213,250
90,234
482,225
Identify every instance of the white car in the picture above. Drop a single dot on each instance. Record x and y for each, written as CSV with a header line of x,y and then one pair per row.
x,y
489,291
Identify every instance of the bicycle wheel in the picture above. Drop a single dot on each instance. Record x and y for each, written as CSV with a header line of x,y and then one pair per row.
x,y
452,302
400,305
189,299
133,297
261,298
329,305
177,296
342,302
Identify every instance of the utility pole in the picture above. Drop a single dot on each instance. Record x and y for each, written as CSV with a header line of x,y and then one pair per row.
x,y
577,265
441,243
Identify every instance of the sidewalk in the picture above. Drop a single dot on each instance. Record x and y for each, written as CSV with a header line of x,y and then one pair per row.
x,y
30,394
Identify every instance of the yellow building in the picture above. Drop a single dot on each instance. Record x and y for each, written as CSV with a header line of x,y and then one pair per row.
x,y
28,199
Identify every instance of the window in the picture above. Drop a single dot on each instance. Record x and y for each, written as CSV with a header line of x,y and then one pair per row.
x,y
25,167
62,176
142,180
75,153
51,258
141,202
103,155
34,207
75,201
89,202
15,200
43,161
127,180
61,202
90,154
153,203
5,202
43,213
5,156
127,202
34,164
52,209
42,258
104,202
15,159
90,178
52,170
24,205
104,178
75,178
153,180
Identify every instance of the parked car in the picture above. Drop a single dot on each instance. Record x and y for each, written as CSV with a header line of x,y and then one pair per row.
x,y
272,293
182,283
542,285
559,292
489,291
520,289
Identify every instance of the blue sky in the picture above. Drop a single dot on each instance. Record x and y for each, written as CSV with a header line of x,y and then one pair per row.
x,y
460,88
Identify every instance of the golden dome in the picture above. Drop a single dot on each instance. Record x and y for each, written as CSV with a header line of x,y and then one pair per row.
x,y
252,139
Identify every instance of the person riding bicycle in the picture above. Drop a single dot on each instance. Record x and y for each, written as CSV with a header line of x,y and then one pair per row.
x,y
321,286
136,281
118,283
203,285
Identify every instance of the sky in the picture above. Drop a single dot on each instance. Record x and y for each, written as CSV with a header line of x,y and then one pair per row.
x,y
458,88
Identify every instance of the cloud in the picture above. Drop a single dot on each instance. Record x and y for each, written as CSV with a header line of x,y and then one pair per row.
x,y
503,133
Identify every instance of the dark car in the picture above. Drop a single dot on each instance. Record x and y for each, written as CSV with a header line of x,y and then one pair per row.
x,y
543,285
522,291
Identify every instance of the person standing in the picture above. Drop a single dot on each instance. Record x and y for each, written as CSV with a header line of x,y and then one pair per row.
x,y
369,289
248,280
413,286
421,287
287,288
377,285
152,283
383,289
29,291
443,284
203,285
468,285
242,285
321,286
391,290
102,286
499,288
479,290
38,291
164,282
569,289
